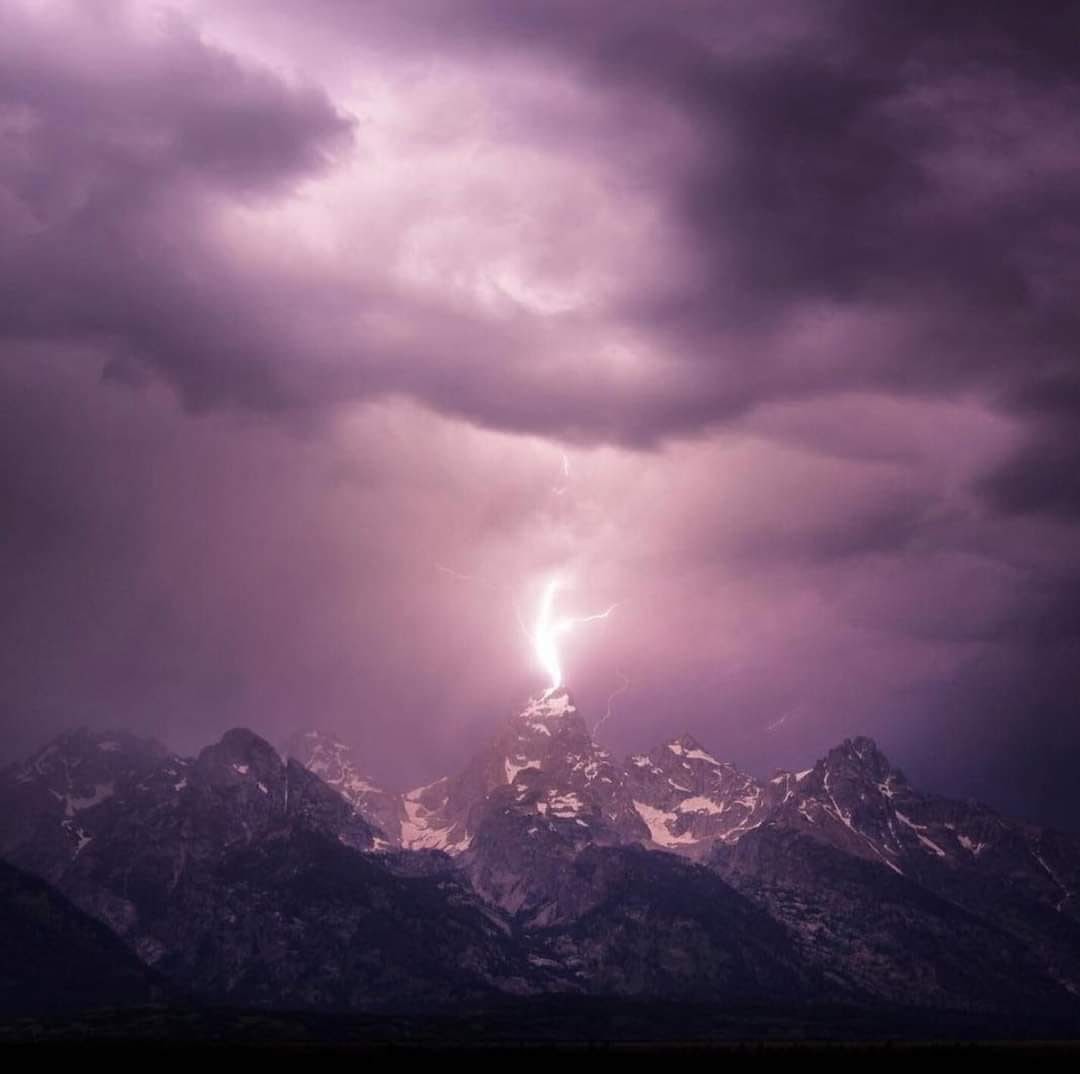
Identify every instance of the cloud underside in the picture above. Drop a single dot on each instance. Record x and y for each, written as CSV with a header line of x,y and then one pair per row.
x,y
793,283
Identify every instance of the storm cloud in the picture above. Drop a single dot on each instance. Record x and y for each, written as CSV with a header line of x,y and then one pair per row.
x,y
302,308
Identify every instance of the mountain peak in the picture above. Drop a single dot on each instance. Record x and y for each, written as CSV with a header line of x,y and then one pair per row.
x,y
334,763
78,741
687,748
551,703
242,755
862,753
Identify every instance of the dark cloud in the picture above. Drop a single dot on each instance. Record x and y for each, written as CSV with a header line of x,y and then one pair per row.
x,y
1043,477
101,118
824,167
114,143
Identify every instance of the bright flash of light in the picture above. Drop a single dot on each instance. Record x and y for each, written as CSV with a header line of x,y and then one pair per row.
x,y
549,628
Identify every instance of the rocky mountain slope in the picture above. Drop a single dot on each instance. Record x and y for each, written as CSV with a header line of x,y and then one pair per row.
x,y
904,892
333,762
547,866
58,959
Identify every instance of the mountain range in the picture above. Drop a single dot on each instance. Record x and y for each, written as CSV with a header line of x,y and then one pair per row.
x,y
546,867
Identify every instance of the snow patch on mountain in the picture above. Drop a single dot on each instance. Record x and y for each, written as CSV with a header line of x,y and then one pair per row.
x,y
565,805
699,804
919,830
549,705
658,823
421,829
516,766
971,845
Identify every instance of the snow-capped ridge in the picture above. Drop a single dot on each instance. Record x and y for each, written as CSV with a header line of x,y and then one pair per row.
x,y
334,762
551,704
688,747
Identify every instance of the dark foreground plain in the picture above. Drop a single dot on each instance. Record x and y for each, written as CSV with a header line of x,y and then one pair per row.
x,y
569,1023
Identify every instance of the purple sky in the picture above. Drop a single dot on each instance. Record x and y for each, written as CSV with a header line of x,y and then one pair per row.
x,y
302,304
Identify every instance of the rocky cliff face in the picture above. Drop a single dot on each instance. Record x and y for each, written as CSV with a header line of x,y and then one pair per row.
x,y
690,800
50,804
907,895
333,762
57,959
542,762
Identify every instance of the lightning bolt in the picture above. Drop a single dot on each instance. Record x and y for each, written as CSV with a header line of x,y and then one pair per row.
x,y
548,629
623,687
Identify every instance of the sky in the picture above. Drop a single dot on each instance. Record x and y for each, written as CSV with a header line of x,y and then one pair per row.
x,y
331,332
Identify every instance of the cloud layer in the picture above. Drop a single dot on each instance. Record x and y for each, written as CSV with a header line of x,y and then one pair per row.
x,y
300,312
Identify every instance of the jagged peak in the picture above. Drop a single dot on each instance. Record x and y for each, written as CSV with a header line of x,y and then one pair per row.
x,y
864,753
76,749
551,703
686,747
244,738
241,744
